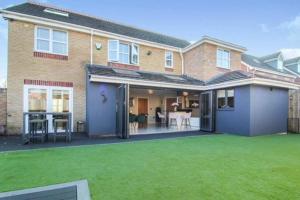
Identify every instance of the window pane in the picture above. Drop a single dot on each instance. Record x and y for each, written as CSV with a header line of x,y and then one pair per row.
x,y
113,45
60,101
230,98
60,36
37,100
43,33
221,98
113,55
124,48
169,63
59,48
124,58
43,45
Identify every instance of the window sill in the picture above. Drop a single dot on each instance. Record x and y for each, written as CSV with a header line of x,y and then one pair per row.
x,y
50,55
225,109
169,69
225,68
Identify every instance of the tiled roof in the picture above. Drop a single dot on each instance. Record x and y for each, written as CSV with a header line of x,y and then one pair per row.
x,y
229,76
37,10
142,75
257,62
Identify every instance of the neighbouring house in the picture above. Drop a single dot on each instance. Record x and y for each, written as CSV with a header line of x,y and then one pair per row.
x,y
121,80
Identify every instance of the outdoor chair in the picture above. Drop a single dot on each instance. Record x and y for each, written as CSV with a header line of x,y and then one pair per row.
x,y
65,133
38,128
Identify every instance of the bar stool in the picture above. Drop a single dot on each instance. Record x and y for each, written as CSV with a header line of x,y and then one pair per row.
x,y
67,131
36,125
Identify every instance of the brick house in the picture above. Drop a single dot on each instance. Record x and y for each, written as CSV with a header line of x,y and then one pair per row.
x,y
63,61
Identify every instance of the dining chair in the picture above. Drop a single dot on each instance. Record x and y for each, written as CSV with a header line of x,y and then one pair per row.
x,y
186,120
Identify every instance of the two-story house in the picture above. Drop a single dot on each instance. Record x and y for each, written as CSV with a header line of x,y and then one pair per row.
x,y
122,80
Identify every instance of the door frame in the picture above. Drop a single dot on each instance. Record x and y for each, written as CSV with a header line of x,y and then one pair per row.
x,y
49,90
147,104
212,126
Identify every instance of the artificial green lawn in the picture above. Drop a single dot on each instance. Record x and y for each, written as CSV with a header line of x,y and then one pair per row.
x,y
204,167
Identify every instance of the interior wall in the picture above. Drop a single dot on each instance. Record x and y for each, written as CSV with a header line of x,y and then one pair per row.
x,y
157,99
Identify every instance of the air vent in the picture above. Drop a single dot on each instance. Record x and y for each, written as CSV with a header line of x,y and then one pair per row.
x,y
56,12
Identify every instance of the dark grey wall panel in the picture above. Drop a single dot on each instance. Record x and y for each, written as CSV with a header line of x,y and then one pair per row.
x,y
101,109
237,120
269,110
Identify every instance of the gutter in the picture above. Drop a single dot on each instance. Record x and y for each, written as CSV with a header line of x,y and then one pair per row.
x,y
92,35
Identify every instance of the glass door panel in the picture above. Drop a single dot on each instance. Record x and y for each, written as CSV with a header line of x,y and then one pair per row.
x,y
60,104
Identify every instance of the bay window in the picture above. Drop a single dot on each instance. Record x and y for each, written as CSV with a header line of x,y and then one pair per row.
x,y
225,99
49,40
123,52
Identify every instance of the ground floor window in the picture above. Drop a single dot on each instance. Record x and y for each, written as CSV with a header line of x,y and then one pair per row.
x,y
48,99
225,99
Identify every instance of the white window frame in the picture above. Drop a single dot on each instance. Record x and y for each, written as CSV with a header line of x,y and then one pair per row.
x,y
49,90
128,54
217,58
172,60
117,50
50,40
138,54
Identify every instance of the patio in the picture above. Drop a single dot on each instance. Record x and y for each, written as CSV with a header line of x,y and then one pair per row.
x,y
14,143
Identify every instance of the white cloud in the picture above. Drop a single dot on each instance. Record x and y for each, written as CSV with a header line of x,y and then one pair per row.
x,y
264,28
292,27
290,53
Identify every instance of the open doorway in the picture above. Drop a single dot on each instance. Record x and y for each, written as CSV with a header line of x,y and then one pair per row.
x,y
162,110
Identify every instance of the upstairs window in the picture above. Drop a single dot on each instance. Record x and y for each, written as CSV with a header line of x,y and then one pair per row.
x,y
134,54
51,41
225,99
223,58
122,52
169,59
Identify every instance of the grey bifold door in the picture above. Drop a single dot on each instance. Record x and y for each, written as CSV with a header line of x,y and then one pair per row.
x,y
207,121
122,111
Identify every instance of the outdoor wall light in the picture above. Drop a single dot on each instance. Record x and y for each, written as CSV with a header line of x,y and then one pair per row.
x,y
149,53
98,46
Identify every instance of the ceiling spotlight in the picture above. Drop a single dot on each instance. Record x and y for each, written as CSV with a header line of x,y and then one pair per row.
x,y
150,91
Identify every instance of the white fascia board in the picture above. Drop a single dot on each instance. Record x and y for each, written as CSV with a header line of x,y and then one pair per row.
x,y
270,71
106,79
249,81
210,41
84,29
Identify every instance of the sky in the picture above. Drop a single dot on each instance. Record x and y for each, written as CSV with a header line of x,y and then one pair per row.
x,y
262,26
